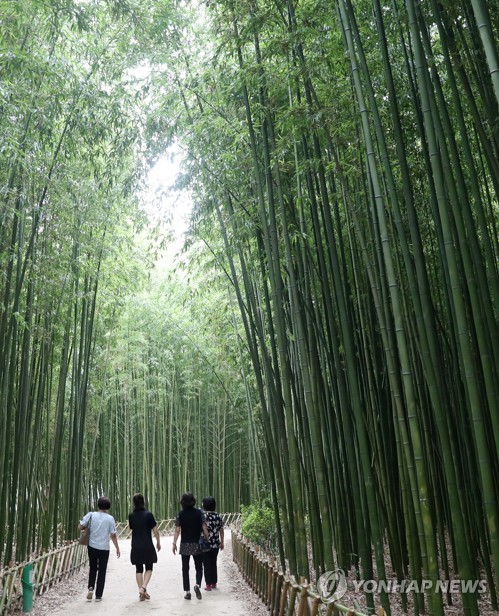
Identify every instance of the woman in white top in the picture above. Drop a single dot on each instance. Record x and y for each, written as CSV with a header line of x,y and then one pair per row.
x,y
102,528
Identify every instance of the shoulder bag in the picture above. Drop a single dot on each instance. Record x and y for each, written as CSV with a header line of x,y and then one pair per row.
x,y
204,544
85,534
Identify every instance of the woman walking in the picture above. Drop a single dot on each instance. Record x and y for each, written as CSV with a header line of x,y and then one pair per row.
x,y
215,525
141,522
190,524
102,528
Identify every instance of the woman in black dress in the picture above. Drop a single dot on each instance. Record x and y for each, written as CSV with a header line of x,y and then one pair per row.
x,y
143,554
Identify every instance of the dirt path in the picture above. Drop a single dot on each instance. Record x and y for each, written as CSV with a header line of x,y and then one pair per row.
x,y
167,597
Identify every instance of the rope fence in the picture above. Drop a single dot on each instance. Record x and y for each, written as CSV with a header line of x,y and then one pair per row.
x,y
282,594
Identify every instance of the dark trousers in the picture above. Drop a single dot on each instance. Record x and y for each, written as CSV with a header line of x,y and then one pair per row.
x,y
98,566
198,563
210,566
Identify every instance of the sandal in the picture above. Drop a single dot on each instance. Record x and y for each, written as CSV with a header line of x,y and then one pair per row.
x,y
142,595
146,594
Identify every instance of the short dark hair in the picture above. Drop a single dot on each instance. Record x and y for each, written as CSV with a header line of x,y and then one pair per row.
x,y
139,500
209,503
104,503
187,501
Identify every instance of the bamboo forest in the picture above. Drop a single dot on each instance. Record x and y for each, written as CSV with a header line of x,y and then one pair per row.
x,y
324,339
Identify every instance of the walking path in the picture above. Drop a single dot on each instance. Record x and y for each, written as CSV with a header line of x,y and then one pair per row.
x,y
121,595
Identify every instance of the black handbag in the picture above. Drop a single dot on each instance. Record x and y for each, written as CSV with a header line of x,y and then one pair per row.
x,y
204,544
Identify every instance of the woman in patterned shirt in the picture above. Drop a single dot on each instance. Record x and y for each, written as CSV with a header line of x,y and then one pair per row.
x,y
215,526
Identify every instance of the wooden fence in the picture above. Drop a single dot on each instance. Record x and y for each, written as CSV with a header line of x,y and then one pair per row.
x,y
48,569
282,594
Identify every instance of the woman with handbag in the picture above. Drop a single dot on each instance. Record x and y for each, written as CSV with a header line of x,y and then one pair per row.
x,y
190,523
102,528
215,525
141,522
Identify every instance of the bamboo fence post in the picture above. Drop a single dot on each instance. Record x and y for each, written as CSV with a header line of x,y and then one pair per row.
x,y
2,596
48,570
58,558
66,561
273,591
70,550
292,598
63,558
61,561
262,578
303,598
241,553
270,584
315,606
277,594
37,569
56,565
251,568
8,589
269,572
74,553
71,555
254,572
253,553
284,598
52,567
44,571
247,559
330,609
244,553
234,550
258,574
79,557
